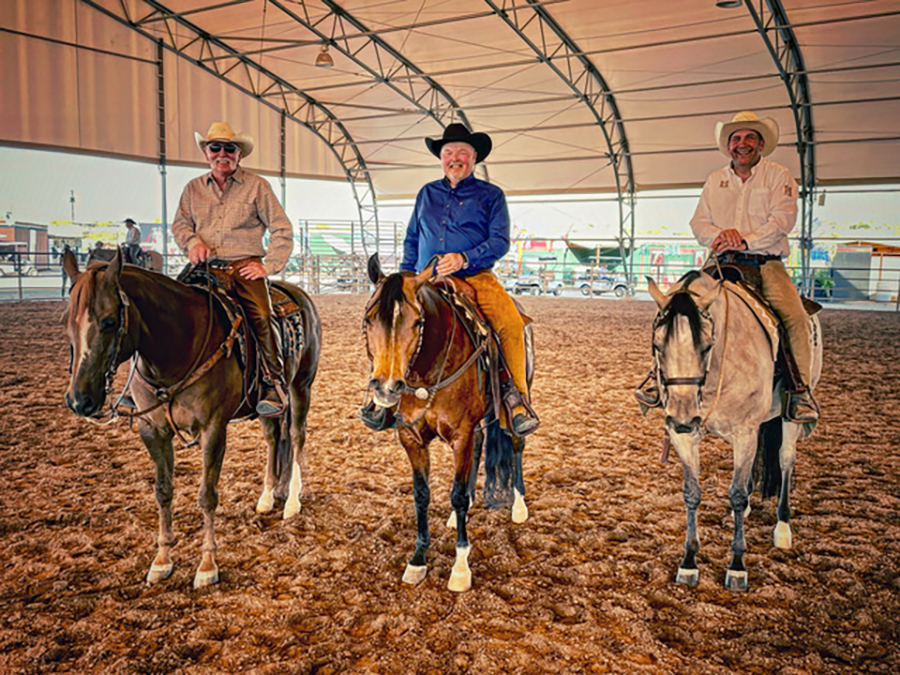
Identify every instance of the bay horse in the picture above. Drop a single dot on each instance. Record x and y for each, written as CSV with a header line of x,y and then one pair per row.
x,y
150,259
424,362
188,381
716,373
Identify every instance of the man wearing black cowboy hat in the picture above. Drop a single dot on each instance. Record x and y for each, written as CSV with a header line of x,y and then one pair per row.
x,y
132,242
465,221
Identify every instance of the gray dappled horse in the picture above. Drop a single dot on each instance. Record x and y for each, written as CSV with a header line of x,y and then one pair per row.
x,y
189,381
716,373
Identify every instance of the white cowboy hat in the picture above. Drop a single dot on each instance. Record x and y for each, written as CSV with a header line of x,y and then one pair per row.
x,y
222,131
765,127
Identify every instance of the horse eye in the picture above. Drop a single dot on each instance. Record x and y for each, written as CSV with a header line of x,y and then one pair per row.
x,y
418,323
107,325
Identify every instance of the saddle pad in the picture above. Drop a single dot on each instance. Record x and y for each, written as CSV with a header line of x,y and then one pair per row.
x,y
763,313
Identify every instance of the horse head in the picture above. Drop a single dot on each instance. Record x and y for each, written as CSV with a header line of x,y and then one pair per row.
x,y
683,337
394,327
97,326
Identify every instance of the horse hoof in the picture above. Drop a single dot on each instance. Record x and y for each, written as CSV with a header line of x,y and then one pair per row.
x,y
415,574
519,510
736,580
451,521
291,509
159,573
266,502
205,578
460,581
688,577
783,537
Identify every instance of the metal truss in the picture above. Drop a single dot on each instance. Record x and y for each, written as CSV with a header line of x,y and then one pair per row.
x,y
775,28
232,66
387,66
558,51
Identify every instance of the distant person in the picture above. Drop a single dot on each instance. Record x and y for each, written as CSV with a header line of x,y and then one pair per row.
x,y
132,243
223,216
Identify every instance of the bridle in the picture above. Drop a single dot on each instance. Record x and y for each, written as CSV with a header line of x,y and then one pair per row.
x,y
427,392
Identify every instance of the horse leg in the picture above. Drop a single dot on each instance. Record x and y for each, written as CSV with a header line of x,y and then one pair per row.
x,y
461,575
272,434
477,444
159,445
519,509
213,442
300,396
688,451
417,568
744,448
786,457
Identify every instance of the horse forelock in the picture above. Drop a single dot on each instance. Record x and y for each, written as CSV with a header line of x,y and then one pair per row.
x,y
682,304
390,299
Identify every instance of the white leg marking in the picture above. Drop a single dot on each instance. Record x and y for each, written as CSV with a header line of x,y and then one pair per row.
x,y
415,574
461,576
266,500
451,521
292,506
783,537
519,509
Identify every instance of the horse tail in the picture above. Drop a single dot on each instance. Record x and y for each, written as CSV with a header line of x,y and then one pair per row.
x,y
768,452
499,467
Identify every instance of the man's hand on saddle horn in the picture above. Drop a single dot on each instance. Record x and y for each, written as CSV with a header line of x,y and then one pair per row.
x,y
199,253
450,263
728,240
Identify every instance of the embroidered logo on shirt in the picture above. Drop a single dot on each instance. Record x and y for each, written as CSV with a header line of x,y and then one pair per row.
x,y
723,183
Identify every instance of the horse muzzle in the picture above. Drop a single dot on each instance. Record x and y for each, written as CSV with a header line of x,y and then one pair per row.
x,y
683,427
386,394
84,405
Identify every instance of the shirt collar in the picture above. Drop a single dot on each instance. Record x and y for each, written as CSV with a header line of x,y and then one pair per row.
x,y
468,180
237,176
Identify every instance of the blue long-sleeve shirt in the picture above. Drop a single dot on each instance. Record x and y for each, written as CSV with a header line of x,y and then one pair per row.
x,y
471,218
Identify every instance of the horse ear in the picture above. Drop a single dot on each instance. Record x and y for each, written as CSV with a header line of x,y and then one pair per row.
x,y
704,302
375,273
70,265
656,294
114,271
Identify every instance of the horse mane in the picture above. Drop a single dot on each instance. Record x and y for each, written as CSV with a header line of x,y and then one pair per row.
x,y
682,304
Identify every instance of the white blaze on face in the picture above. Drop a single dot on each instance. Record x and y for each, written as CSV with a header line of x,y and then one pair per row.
x,y
82,345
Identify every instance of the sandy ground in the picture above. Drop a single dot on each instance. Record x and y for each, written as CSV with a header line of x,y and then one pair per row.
x,y
585,586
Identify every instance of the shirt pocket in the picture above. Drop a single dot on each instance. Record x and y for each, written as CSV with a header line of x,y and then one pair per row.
x,y
758,207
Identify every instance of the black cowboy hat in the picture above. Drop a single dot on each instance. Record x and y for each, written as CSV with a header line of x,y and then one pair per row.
x,y
458,133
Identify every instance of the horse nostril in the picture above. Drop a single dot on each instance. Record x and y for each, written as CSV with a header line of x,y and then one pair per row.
x,y
398,387
679,428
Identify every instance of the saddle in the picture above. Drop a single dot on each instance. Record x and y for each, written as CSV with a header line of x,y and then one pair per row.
x,y
741,274
462,299
287,324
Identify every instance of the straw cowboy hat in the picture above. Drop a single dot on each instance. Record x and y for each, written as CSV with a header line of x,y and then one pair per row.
x,y
765,127
222,132
458,133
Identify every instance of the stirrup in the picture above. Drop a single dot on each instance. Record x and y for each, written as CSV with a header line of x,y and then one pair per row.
x,y
524,423
802,406
647,393
272,401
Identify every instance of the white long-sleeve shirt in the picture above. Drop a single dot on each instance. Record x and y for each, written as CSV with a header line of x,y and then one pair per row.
x,y
763,208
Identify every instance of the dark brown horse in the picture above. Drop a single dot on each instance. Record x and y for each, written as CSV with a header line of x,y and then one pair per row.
x,y
149,260
424,363
118,311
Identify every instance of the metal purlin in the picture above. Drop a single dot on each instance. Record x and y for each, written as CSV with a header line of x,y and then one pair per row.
x,y
585,80
785,51
309,113
376,49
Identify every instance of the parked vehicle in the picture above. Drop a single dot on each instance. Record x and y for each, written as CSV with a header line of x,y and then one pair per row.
x,y
619,285
532,284
11,267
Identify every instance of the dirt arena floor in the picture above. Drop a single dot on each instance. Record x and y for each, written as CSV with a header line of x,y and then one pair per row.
x,y
585,586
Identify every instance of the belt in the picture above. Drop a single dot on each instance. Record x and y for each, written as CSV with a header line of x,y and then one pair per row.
x,y
749,259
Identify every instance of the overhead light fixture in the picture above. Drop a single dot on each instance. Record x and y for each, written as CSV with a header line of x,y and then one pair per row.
x,y
324,60
728,4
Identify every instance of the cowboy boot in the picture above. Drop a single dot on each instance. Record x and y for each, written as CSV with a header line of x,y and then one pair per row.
x,y
377,418
802,407
524,420
272,400
647,392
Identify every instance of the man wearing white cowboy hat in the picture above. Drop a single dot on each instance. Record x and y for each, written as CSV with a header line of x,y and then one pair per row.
x,y
465,221
750,206
223,216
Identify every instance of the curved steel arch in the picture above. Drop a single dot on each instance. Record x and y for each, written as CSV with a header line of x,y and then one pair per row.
x,y
407,72
581,76
229,62
788,58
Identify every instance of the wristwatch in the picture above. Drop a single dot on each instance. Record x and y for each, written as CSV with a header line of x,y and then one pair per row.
x,y
465,261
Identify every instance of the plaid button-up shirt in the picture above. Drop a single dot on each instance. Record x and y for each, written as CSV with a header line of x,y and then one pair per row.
x,y
232,221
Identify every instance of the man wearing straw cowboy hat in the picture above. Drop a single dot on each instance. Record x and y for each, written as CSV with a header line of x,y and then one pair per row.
x,y
465,221
750,206
223,215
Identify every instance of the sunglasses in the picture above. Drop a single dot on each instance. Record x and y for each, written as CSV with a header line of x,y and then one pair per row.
x,y
230,148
